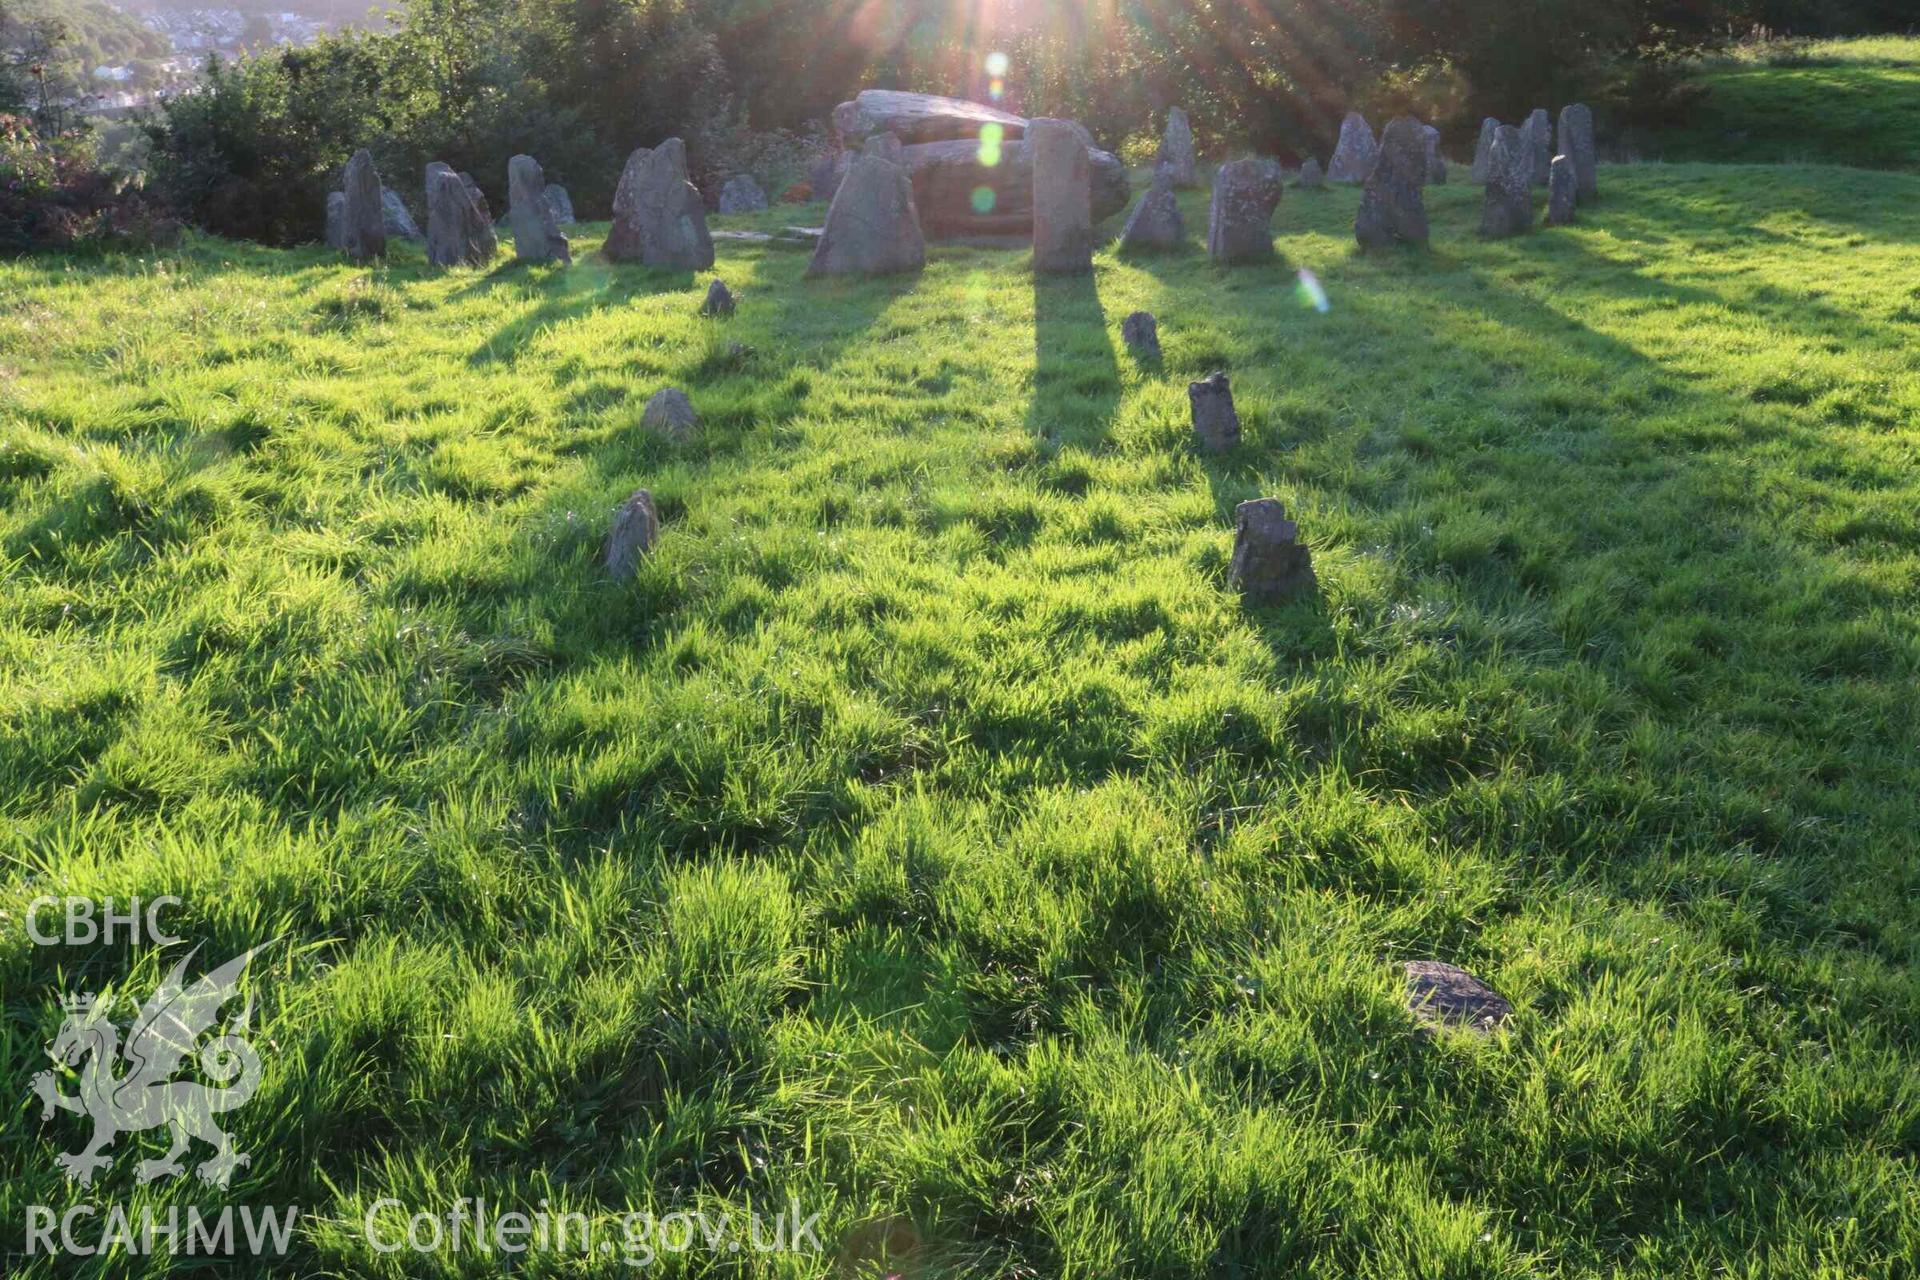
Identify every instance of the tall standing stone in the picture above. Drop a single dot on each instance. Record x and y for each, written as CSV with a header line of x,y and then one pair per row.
x,y
536,234
1436,167
365,211
1270,563
1562,192
1576,144
658,217
336,220
458,233
1240,216
1353,157
1539,137
1176,150
873,228
1216,425
1507,207
1483,149
1156,222
1392,210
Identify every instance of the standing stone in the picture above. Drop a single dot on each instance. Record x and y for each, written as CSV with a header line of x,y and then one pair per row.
x,y
872,226
1445,995
536,236
824,175
1141,333
1156,222
336,220
1483,149
658,217
397,222
1353,157
1392,210
561,203
365,216
1269,563
635,528
1576,144
1176,150
669,413
719,300
475,194
1311,178
1539,136
1240,217
1562,192
742,195
1216,427
1507,207
458,234
1436,167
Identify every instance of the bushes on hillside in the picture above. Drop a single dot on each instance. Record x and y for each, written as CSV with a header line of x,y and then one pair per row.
x,y
54,195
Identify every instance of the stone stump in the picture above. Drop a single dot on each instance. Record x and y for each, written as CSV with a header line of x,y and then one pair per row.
x,y
719,299
1240,216
1216,426
1156,223
1575,139
1392,209
635,528
1176,150
670,414
742,194
659,219
1141,332
1507,207
1354,154
1270,563
1562,192
365,218
536,234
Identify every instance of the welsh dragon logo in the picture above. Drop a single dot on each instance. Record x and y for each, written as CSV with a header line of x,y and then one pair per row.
x,y
144,1096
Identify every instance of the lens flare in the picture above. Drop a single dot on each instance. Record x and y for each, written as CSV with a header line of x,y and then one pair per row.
x,y
983,199
997,64
1310,293
996,89
990,136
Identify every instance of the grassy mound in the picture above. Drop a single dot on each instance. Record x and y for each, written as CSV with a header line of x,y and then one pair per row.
x,y
926,829
1848,102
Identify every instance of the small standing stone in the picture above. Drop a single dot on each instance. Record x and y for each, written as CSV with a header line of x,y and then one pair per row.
x,y
719,301
1062,199
873,227
1311,178
1507,207
1561,192
1176,150
536,236
1483,149
561,203
1445,995
1270,563
669,413
1215,424
1240,217
336,220
1392,210
1539,136
742,194
1576,144
398,223
365,213
1141,332
1156,222
635,528
1353,156
1436,167
659,219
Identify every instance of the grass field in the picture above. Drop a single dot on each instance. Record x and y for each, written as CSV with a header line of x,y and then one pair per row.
x,y
1848,102
926,829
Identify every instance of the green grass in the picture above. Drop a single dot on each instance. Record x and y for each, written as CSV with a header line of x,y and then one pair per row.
x,y
1849,102
926,829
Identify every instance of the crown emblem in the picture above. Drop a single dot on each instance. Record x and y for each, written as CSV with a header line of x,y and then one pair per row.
x,y
79,1002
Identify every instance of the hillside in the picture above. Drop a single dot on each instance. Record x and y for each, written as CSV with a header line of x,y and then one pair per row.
x,y
927,829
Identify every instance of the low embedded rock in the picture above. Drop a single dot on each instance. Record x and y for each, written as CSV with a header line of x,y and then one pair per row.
x,y
1444,995
669,413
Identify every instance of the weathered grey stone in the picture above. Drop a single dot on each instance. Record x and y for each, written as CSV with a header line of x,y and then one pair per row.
x,y
1353,156
658,217
1436,167
1062,199
365,220
635,528
561,203
1141,332
742,194
395,220
478,196
1311,177
958,196
536,235
1270,563
336,220
1240,217
872,226
1445,995
1575,139
824,175
1562,192
1392,210
719,300
1216,427
1539,137
1176,150
1483,149
669,413
1507,207
1156,222
458,234
919,117
887,146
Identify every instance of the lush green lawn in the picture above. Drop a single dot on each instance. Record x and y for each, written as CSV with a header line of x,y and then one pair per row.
x,y
1850,102
926,829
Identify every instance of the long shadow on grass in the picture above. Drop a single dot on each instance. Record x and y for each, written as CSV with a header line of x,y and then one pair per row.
x,y
1076,379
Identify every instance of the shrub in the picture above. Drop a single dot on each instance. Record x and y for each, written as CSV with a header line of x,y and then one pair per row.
x,y
54,195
